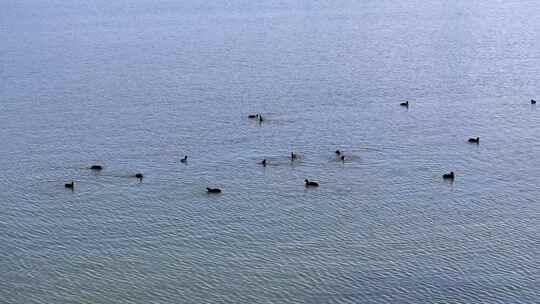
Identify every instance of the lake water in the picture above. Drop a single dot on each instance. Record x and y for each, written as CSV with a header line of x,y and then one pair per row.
x,y
136,85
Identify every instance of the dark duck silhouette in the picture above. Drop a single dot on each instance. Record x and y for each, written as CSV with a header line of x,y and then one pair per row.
x,y
533,101
213,190
70,185
96,167
338,152
184,160
449,175
253,116
310,183
474,140
342,158
294,156
264,162
139,176
405,104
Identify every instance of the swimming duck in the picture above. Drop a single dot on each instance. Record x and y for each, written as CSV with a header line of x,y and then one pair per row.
x,y
342,158
310,183
338,152
533,101
474,140
96,167
184,160
139,175
404,104
70,185
263,162
253,116
449,175
213,190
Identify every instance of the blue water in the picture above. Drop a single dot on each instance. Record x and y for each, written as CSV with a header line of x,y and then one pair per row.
x,y
136,85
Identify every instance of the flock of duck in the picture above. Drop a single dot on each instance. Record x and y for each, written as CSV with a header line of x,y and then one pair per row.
x,y
294,156
264,162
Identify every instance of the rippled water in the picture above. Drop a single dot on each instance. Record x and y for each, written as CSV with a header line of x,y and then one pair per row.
x,y
136,85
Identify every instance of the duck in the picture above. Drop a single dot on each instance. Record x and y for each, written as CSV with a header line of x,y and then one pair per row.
x,y
449,175
404,104
139,176
96,167
533,101
310,183
264,162
342,158
213,190
184,160
338,152
474,140
294,156
252,116
70,185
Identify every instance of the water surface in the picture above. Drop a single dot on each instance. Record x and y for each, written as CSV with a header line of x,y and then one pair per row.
x,y
137,85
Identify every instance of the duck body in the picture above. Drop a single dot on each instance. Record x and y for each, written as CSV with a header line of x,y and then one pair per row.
x,y
96,167
264,162
70,185
253,116
213,190
449,175
533,101
139,175
309,183
474,140
404,104
338,152
184,160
